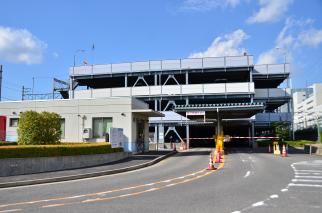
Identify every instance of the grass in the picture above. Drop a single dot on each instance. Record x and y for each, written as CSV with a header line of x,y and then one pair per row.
x,y
295,143
26,151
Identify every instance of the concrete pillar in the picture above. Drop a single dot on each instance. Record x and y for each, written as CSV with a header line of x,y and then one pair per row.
x,y
188,136
161,133
253,135
250,135
125,81
155,79
187,78
156,132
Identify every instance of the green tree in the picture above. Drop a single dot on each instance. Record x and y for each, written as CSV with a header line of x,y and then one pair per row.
x,y
38,128
282,129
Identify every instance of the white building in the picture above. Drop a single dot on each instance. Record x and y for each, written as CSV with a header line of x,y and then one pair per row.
x,y
88,119
307,105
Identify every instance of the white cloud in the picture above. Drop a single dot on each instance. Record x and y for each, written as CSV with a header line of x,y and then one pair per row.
x,y
204,5
227,45
270,11
55,55
312,37
295,35
20,46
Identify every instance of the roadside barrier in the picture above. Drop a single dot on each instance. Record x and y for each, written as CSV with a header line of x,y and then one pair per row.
x,y
284,152
218,157
211,163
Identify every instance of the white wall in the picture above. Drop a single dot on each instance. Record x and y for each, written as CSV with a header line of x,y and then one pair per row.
x,y
78,114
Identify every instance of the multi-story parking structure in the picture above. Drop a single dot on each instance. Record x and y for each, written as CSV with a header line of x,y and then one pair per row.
x,y
196,93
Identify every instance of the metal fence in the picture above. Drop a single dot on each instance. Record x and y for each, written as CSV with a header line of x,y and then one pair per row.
x,y
164,65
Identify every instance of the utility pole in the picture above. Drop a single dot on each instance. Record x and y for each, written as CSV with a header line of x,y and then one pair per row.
x,y
0,81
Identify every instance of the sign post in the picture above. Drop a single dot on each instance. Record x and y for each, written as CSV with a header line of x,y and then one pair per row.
x,y
116,137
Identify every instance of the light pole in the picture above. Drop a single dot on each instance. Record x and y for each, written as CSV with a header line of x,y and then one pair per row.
x,y
76,52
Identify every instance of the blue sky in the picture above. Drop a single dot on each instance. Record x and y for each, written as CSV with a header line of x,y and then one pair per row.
x,y
39,38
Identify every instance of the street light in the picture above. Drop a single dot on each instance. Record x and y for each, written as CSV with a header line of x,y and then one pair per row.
x,y
284,53
76,52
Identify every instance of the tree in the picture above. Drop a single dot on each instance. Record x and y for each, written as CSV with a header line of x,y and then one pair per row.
x,y
39,128
281,129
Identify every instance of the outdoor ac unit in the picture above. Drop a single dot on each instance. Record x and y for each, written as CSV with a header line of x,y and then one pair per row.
x,y
87,133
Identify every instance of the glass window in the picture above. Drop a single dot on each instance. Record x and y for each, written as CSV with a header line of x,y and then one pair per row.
x,y
14,122
62,128
101,127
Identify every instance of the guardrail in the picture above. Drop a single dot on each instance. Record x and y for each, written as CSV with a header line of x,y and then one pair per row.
x,y
163,65
168,90
267,69
273,117
272,93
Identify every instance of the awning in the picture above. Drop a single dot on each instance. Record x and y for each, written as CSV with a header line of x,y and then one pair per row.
x,y
147,113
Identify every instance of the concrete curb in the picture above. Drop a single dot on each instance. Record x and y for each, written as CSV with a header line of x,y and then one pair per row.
x,y
86,175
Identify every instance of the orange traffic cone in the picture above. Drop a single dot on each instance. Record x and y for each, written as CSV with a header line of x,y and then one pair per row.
x,y
284,153
218,157
211,164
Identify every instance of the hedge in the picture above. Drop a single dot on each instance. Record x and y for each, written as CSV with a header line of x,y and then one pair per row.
x,y
4,143
26,151
296,143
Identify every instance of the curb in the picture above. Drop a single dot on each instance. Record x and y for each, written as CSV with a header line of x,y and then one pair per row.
x,y
86,175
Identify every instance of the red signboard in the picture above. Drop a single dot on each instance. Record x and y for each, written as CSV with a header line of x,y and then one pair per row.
x,y
3,120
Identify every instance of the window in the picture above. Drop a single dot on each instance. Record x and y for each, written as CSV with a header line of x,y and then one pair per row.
x,y
62,128
101,127
13,122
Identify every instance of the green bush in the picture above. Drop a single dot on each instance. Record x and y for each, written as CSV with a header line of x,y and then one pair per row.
x,y
38,128
296,143
25,151
3,143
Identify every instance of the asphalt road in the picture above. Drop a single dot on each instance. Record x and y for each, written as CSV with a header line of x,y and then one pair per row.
x,y
246,182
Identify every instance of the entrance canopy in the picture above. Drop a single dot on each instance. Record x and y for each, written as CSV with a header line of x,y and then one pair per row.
x,y
224,110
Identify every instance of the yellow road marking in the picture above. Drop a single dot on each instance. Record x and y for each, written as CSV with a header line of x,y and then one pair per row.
x,y
118,190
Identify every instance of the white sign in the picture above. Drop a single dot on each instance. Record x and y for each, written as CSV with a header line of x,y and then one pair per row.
x,y
196,113
116,137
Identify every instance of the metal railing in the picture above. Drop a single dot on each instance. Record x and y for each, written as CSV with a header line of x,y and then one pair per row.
x,y
266,69
272,93
273,117
168,90
164,65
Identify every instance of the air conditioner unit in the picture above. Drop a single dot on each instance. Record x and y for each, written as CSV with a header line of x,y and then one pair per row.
x,y
87,133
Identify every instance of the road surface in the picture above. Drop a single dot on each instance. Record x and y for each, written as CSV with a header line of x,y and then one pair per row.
x,y
246,182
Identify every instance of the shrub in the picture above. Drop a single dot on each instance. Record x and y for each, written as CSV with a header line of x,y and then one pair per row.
x,y
25,151
38,128
4,143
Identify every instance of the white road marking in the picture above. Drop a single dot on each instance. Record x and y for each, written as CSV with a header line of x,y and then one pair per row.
x,y
236,212
308,173
274,196
303,176
260,203
306,180
306,185
247,174
11,210
284,190
304,170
